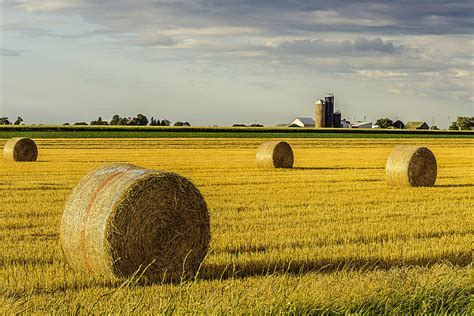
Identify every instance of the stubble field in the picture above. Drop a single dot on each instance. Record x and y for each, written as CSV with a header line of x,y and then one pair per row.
x,y
326,236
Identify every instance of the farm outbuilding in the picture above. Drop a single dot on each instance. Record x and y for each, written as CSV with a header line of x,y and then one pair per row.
x,y
398,124
362,125
416,125
302,122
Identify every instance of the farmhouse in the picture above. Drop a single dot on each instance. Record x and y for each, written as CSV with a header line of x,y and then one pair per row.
x,y
416,125
302,122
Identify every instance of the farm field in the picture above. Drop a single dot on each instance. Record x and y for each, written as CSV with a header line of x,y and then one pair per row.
x,y
94,131
326,236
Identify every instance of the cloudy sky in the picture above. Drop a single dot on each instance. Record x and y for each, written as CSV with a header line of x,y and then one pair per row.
x,y
236,61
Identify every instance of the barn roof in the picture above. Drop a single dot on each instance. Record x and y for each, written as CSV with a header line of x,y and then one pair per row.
x,y
415,124
305,120
358,124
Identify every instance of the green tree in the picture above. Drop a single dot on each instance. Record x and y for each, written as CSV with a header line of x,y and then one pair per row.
x,y
463,123
165,122
154,122
384,122
115,120
4,121
99,122
140,119
18,121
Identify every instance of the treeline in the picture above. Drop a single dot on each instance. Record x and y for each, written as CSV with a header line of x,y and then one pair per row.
x,y
243,125
138,120
461,123
4,121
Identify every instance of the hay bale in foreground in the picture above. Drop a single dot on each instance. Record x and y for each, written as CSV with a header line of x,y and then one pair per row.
x,y
20,149
274,154
121,219
411,166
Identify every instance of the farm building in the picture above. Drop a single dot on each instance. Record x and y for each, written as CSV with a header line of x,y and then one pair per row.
x,y
302,122
398,124
362,125
345,123
416,125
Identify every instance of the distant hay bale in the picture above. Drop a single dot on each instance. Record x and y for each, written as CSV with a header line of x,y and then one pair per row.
x,y
274,154
411,166
121,219
20,149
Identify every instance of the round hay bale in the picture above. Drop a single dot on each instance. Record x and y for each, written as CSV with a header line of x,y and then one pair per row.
x,y
274,154
20,149
122,219
411,166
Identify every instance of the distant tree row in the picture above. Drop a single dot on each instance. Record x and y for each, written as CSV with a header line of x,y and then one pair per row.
x,y
4,121
384,122
388,123
243,125
138,120
462,123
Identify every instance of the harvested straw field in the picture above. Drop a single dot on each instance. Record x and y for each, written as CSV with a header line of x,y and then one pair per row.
x,y
329,235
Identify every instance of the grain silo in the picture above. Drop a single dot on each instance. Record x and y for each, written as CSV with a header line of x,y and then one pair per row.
x,y
337,119
329,100
320,110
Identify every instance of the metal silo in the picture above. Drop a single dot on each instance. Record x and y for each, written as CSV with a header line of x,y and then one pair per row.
x,y
329,100
320,110
337,119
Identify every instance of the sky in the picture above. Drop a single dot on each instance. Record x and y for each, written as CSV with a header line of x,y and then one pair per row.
x,y
215,62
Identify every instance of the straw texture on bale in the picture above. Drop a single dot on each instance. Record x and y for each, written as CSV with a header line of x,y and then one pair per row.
x,y
274,154
20,149
122,219
411,166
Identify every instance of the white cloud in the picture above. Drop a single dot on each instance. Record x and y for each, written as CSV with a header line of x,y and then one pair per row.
x,y
348,47
152,39
48,5
381,74
11,52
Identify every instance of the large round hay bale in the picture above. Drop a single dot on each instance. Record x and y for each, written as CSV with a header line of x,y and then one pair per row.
x,y
274,154
122,219
20,149
411,166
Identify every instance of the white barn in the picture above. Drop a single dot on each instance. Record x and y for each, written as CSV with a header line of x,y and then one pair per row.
x,y
362,125
302,122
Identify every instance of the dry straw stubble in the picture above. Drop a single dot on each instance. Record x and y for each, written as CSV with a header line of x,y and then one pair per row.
x,y
411,166
121,219
274,154
20,149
